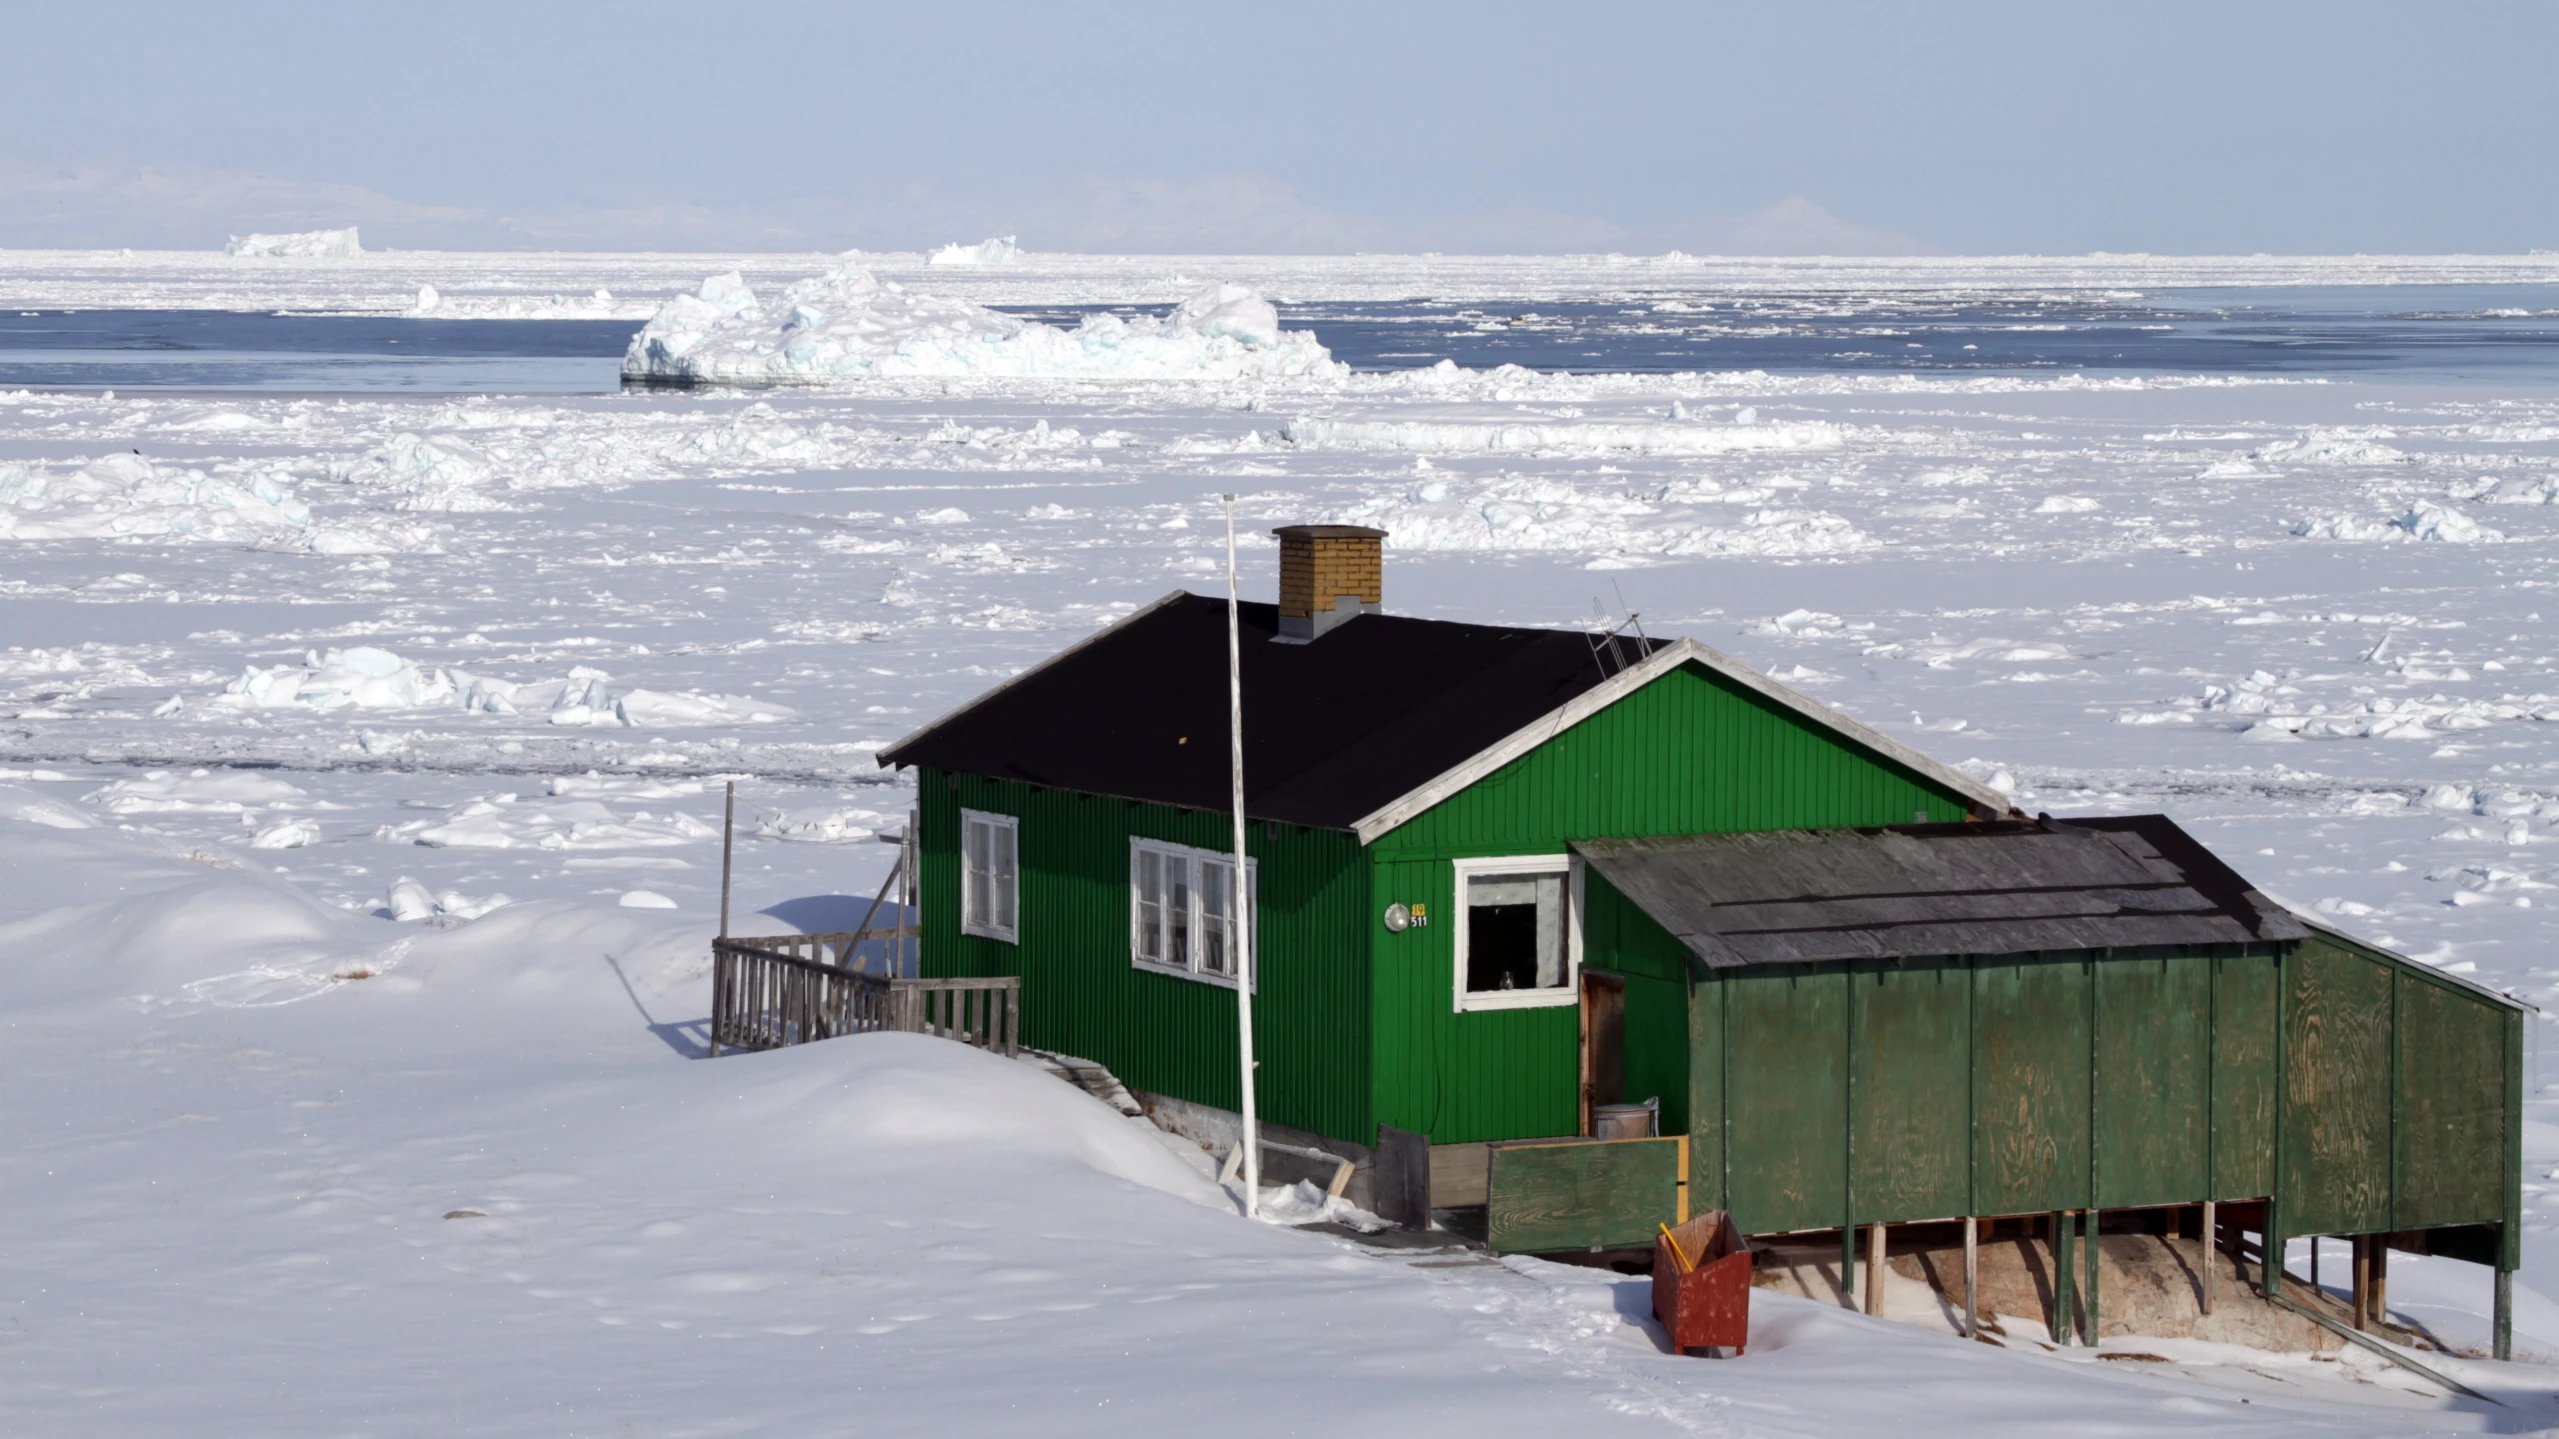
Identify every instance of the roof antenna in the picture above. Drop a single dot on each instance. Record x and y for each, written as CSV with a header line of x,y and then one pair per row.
x,y
1606,642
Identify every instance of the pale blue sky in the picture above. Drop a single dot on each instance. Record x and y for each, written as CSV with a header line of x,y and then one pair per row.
x,y
1967,127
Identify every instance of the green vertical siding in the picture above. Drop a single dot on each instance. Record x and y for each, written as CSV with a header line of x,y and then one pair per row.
x,y
2154,1023
2336,1091
1910,1069
1082,996
1786,1097
2243,1075
2452,1082
2030,1083
1622,940
1690,753
1865,1089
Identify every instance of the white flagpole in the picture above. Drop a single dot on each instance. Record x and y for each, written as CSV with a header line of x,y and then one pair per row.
x,y
1239,909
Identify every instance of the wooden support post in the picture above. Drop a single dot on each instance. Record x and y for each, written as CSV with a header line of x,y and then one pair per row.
x,y
1875,1270
2212,1251
2505,1330
1848,1260
2095,1252
2065,1264
1972,1277
2277,1261
2360,1247
2380,1281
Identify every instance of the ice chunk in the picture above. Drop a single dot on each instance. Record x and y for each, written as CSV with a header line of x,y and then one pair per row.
x,y
646,899
128,495
303,245
292,834
845,324
996,250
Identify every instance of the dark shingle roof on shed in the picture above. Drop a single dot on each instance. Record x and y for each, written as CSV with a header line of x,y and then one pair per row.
x,y
2006,887
1334,729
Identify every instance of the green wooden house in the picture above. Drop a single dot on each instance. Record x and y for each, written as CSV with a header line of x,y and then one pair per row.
x,y
1501,876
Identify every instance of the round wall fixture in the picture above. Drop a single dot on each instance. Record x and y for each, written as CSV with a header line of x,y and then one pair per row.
x,y
1398,919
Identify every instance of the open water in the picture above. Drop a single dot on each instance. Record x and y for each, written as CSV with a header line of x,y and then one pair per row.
x,y
2469,334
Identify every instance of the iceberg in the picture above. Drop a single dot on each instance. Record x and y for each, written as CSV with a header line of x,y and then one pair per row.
x,y
848,325
306,245
999,250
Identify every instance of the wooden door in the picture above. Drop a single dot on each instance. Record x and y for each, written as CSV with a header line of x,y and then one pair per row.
x,y
1603,1043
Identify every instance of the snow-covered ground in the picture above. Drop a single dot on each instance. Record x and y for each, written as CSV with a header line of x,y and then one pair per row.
x,y
361,766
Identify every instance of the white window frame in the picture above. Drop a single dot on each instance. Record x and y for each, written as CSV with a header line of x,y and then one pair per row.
x,y
1570,991
1010,827
1138,850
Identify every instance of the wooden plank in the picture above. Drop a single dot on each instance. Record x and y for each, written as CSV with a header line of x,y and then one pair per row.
x,y
1458,1174
1913,1086
2336,1091
2030,1084
1555,1197
2152,1062
1786,1109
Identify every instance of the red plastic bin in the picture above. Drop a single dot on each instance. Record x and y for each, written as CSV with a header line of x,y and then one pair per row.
x,y
1708,1306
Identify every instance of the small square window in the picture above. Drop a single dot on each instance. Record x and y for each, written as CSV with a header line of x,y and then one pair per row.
x,y
1518,941
990,881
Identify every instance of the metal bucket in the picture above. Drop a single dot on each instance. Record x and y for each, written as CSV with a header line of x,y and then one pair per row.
x,y
1627,1121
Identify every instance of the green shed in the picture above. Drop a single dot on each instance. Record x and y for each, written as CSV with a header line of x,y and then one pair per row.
x,y
1499,877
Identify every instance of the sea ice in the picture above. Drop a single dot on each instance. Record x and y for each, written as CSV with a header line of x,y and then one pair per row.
x,y
1495,436
848,325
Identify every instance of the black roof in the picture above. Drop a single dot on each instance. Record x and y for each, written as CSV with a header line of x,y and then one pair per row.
x,y
1334,729
2001,887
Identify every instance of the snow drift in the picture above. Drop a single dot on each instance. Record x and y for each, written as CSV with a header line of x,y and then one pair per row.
x,y
306,245
847,325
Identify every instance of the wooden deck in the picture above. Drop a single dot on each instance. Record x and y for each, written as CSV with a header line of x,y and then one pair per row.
x,y
799,988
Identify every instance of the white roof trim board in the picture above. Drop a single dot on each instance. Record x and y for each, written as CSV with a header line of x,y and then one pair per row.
x,y
1634,677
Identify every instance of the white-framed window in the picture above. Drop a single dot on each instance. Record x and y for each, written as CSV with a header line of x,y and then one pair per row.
x,y
990,877
1519,933
1181,909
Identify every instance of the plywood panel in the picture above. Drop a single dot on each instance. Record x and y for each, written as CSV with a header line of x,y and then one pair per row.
x,y
2153,1049
2452,1107
2030,1084
1706,1095
2243,1080
1912,1090
1786,1111
1548,1198
2336,1091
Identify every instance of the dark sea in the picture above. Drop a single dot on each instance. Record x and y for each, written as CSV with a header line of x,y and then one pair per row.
x,y
2503,334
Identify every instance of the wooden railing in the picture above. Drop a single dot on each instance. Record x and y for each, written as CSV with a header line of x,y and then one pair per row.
x,y
792,989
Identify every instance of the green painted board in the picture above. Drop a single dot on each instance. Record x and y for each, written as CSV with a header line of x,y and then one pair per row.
x,y
2030,1084
2336,1091
1706,1095
1911,1078
1553,1198
1786,1100
2452,1107
2243,1080
2153,1036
